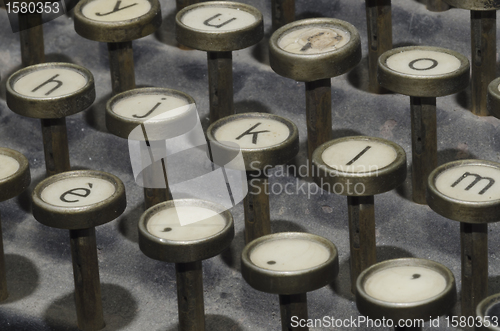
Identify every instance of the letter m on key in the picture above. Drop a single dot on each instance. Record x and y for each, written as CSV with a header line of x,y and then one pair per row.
x,y
477,178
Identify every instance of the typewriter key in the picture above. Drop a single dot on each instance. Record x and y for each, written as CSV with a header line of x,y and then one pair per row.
x,y
406,290
423,73
265,141
290,264
313,51
219,27
118,23
150,116
79,201
185,232
50,92
467,191
360,167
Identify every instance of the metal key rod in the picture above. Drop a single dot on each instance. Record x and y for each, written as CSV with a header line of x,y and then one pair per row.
x,y
3,278
55,145
318,114
121,62
180,4
474,248
220,84
293,305
154,173
361,235
379,27
256,206
483,58
31,35
424,144
87,285
190,296
153,196
283,12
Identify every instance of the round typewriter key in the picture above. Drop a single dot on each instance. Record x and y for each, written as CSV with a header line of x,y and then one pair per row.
x,y
379,30
494,97
79,201
290,264
185,232
467,191
50,92
118,23
265,141
313,51
483,19
219,27
406,289
488,311
14,179
423,73
150,116
360,167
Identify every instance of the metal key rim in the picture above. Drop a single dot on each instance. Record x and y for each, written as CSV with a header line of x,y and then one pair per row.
x,y
461,210
16,183
430,307
73,218
185,251
289,282
51,107
220,41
